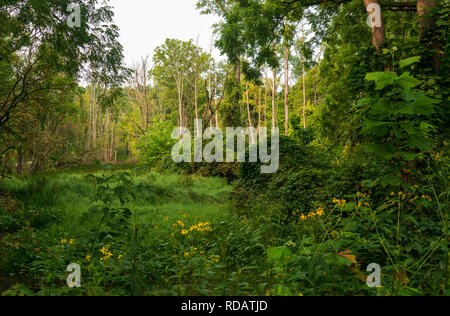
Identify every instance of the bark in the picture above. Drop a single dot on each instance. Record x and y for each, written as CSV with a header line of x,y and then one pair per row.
x,y
252,137
424,7
286,90
273,97
19,161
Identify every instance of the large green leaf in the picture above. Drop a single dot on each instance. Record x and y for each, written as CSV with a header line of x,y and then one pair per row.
x,y
281,255
382,79
406,81
409,61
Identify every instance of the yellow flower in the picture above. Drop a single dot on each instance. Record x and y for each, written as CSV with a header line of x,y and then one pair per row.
x,y
71,241
300,294
303,218
180,223
88,257
63,241
186,254
184,232
392,193
120,257
166,218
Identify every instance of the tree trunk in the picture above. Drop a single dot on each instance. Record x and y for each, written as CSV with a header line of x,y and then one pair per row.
x,y
215,99
424,7
286,90
273,97
19,161
250,124
304,93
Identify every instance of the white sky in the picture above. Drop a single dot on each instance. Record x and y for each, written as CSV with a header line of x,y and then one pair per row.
x,y
145,24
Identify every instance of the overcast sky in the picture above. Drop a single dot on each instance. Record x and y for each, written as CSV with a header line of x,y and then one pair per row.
x,y
145,24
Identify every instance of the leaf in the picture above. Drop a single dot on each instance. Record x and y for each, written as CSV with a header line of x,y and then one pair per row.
x,y
408,156
370,123
382,106
280,254
406,81
382,79
402,278
408,61
348,255
421,142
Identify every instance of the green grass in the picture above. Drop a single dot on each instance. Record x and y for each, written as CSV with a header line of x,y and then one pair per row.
x,y
249,250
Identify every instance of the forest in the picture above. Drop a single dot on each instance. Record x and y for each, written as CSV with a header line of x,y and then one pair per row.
x,y
358,91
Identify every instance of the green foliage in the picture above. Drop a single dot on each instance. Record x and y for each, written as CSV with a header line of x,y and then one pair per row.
x,y
397,127
155,146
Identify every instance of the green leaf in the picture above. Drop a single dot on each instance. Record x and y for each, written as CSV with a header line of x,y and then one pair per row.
x,y
281,255
406,81
382,79
370,123
382,106
408,156
420,142
408,61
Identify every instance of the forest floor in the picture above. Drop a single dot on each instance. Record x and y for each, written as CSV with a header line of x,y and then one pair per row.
x,y
177,216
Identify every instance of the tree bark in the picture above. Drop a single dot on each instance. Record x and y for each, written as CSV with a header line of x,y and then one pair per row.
x,y
424,7
250,124
286,90
19,161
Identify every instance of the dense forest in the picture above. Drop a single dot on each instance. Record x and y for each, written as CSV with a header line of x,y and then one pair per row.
x,y
359,90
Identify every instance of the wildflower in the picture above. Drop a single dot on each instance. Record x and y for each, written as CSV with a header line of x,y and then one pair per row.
x,y
119,257
180,223
392,193
185,232
88,257
186,254
166,218
63,241
71,241
303,218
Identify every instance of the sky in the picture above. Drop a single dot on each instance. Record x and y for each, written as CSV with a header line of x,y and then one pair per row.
x,y
145,25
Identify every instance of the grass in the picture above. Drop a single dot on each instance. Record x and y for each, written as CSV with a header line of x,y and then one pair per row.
x,y
186,236
162,200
